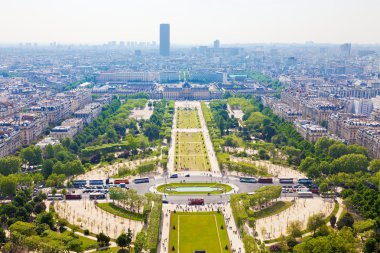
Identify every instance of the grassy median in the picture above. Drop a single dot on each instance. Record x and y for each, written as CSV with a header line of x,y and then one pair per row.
x,y
121,212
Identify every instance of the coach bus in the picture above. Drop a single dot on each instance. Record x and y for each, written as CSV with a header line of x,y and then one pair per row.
x,y
55,196
196,202
79,183
96,182
314,188
121,181
73,196
94,196
248,180
305,194
141,180
266,180
305,181
286,180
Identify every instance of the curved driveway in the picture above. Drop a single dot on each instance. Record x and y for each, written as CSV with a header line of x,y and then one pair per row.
x,y
183,199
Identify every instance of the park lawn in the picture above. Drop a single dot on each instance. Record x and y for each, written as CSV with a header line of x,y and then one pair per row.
x,y
189,137
198,231
121,212
164,188
192,163
191,148
274,209
87,243
191,153
188,119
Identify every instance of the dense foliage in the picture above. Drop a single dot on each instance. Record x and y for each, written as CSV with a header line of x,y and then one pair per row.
x,y
331,163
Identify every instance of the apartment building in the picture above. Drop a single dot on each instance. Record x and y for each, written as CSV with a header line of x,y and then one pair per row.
x,y
89,112
370,138
69,128
309,131
10,138
32,126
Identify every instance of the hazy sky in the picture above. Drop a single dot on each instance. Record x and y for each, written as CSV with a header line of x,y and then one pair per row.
x,y
192,21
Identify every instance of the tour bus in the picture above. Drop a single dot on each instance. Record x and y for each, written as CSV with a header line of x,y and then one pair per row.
x,y
314,188
141,180
79,183
73,196
55,196
248,180
305,181
96,182
303,194
266,180
286,180
196,202
121,181
95,196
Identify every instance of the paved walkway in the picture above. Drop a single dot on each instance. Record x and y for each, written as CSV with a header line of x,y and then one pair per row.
x,y
143,113
340,210
233,235
85,214
238,114
276,170
274,226
113,169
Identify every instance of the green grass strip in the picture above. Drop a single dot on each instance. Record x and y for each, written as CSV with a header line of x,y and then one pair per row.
x,y
121,212
164,188
274,209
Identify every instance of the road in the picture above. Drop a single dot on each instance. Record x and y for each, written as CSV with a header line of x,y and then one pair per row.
x,y
183,199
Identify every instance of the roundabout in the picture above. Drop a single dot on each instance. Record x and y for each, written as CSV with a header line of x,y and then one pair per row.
x,y
195,188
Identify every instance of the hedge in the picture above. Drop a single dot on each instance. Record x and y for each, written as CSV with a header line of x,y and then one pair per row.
x,y
153,231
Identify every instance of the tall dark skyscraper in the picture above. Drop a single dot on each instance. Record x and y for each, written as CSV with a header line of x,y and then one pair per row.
x,y
164,39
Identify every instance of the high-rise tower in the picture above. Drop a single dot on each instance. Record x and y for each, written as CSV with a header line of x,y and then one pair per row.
x,y
165,39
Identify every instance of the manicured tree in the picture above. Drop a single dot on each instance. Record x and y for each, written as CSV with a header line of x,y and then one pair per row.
x,y
295,229
323,187
346,221
375,165
45,218
3,238
122,241
129,239
370,245
103,240
333,220
314,222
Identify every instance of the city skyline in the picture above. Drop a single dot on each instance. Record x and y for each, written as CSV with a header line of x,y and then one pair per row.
x,y
193,22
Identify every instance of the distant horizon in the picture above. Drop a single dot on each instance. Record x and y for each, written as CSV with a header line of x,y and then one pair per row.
x,y
195,22
176,45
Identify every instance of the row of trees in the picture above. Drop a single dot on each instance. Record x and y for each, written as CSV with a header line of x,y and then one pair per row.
x,y
214,130
220,115
159,124
128,199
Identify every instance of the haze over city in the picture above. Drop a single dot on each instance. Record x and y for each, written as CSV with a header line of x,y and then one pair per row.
x,y
193,21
